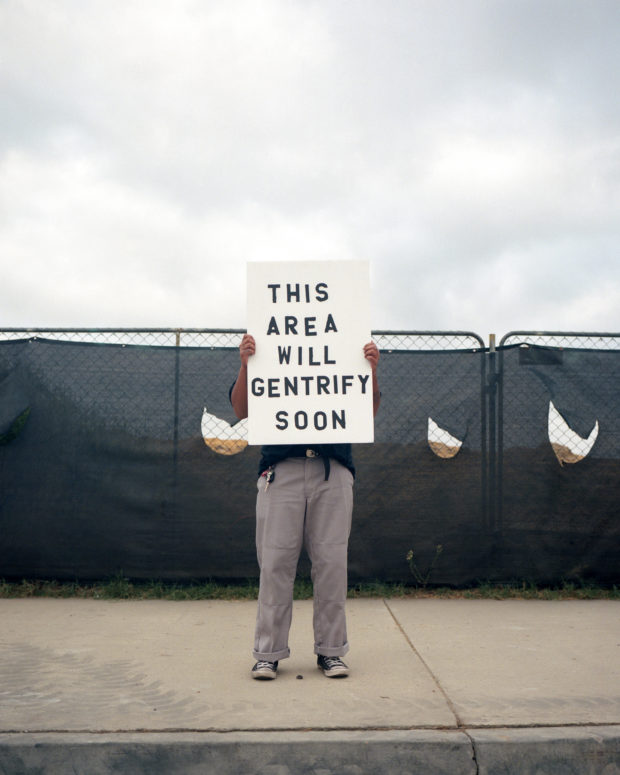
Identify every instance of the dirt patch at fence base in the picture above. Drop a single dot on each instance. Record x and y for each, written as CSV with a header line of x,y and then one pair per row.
x,y
443,450
226,446
565,455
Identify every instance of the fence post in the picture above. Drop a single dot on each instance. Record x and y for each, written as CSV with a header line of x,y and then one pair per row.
x,y
175,442
492,415
484,446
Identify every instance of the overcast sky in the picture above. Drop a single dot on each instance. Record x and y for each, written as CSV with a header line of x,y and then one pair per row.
x,y
469,149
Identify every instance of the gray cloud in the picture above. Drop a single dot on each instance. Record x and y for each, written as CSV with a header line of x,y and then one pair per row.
x,y
469,150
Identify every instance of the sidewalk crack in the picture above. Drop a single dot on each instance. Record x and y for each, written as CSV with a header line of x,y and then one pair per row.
x,y
436,680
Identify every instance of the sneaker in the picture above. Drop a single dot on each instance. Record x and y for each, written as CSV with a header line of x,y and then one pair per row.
x,y
332,667
265,671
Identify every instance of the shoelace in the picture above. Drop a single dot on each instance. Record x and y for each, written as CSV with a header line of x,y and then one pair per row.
x,y
262,664
333,662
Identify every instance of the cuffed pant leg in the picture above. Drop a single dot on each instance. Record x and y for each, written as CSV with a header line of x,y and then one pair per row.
x,y
279,536
327,530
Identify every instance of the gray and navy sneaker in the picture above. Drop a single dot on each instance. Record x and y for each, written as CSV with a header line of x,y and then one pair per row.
x,y
332,667
265,671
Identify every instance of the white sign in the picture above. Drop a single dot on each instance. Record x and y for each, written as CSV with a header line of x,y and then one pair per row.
x,y
309,382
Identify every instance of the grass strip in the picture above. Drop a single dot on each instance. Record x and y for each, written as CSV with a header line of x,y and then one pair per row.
x,y
121,588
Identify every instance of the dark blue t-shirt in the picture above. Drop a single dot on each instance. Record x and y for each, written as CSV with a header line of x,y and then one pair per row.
x,y
274,453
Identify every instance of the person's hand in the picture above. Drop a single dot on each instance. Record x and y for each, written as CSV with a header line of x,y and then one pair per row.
x,y
371,353
247,348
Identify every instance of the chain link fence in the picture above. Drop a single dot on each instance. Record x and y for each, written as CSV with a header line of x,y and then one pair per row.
x,y
427,340
555,472
562,340
151,337
213,337
480,449
113,389
133,428
546,350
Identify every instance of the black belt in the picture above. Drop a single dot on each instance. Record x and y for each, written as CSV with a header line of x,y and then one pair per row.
x,y
309,452
304,452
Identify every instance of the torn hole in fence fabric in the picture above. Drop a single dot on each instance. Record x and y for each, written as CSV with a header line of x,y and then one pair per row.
x,y
568,446
441,441
579,381
221,436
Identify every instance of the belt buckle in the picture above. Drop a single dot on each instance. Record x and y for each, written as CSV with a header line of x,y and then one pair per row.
x,y
311,453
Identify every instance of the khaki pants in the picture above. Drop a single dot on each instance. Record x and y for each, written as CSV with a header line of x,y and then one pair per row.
x,y
299,507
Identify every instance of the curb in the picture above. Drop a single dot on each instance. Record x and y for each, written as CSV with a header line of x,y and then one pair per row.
x,y
591,750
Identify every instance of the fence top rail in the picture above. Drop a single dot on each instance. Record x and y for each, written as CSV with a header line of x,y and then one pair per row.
x,y
428,340
386,339
230,337
142,330
577,339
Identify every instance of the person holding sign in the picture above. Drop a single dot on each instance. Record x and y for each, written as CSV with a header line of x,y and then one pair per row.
x,y
305,496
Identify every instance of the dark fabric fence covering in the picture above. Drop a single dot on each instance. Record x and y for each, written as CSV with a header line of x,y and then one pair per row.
x,y
103,467
559,519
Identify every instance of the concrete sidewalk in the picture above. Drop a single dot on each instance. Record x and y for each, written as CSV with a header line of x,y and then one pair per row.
x,y
436,686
